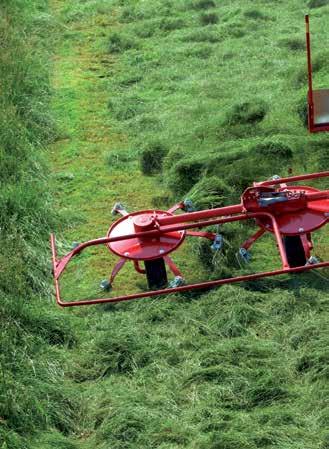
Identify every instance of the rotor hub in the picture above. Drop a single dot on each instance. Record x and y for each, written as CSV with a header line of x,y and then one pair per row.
x,y
144,222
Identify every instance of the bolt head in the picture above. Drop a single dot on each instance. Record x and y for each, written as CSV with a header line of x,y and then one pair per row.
x,y
301,230
127,253
161,251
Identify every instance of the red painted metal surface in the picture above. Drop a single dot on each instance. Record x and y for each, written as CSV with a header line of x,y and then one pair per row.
x,y
139,248
274,206
317,100
306,216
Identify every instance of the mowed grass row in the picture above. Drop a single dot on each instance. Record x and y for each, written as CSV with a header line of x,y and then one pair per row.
x,y
218,88
237,367
35,403
211,96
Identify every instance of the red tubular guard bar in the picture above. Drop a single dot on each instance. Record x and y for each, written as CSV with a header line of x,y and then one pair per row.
x,y
185,288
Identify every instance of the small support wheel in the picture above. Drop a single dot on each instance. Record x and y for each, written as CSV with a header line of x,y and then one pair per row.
x,y
218,243
105,285
177,282
244,255
188,205
295,251
156,273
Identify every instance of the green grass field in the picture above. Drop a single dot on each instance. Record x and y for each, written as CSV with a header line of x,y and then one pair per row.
x,y
149,103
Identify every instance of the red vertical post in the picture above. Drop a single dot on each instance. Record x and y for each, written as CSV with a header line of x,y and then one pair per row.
x,y
310,79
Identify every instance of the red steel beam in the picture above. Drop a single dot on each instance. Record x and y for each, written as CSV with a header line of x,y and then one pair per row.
x,y
200,215
310,101
309,59
272,182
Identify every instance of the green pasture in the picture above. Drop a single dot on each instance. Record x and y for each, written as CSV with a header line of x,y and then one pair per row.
x,y
148,103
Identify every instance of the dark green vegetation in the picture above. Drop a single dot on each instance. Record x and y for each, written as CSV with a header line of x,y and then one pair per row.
x,y
207,96
33,395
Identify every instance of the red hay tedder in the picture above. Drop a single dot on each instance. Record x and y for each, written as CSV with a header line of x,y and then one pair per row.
x,y
289,212
318,100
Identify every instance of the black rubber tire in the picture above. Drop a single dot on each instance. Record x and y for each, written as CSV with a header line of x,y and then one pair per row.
x,y
295,251
156,273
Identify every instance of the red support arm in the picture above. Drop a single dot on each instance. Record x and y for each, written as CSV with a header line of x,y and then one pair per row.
x,y
176,207
272,182
248,243
309,59
206,235
201,215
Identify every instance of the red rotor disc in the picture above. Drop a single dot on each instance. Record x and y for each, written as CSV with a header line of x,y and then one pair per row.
x,y
145,248
302,221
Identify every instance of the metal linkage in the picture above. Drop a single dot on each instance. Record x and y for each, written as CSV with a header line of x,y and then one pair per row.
x,y
289,212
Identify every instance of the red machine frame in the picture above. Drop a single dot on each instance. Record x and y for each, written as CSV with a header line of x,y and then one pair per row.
x,y
276,207
318,100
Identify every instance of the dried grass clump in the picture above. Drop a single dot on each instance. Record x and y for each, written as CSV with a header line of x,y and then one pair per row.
x,y
120,42
210,192
247,112
210,18
185,174
317,3
152,157
272,150
203,4
293,44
